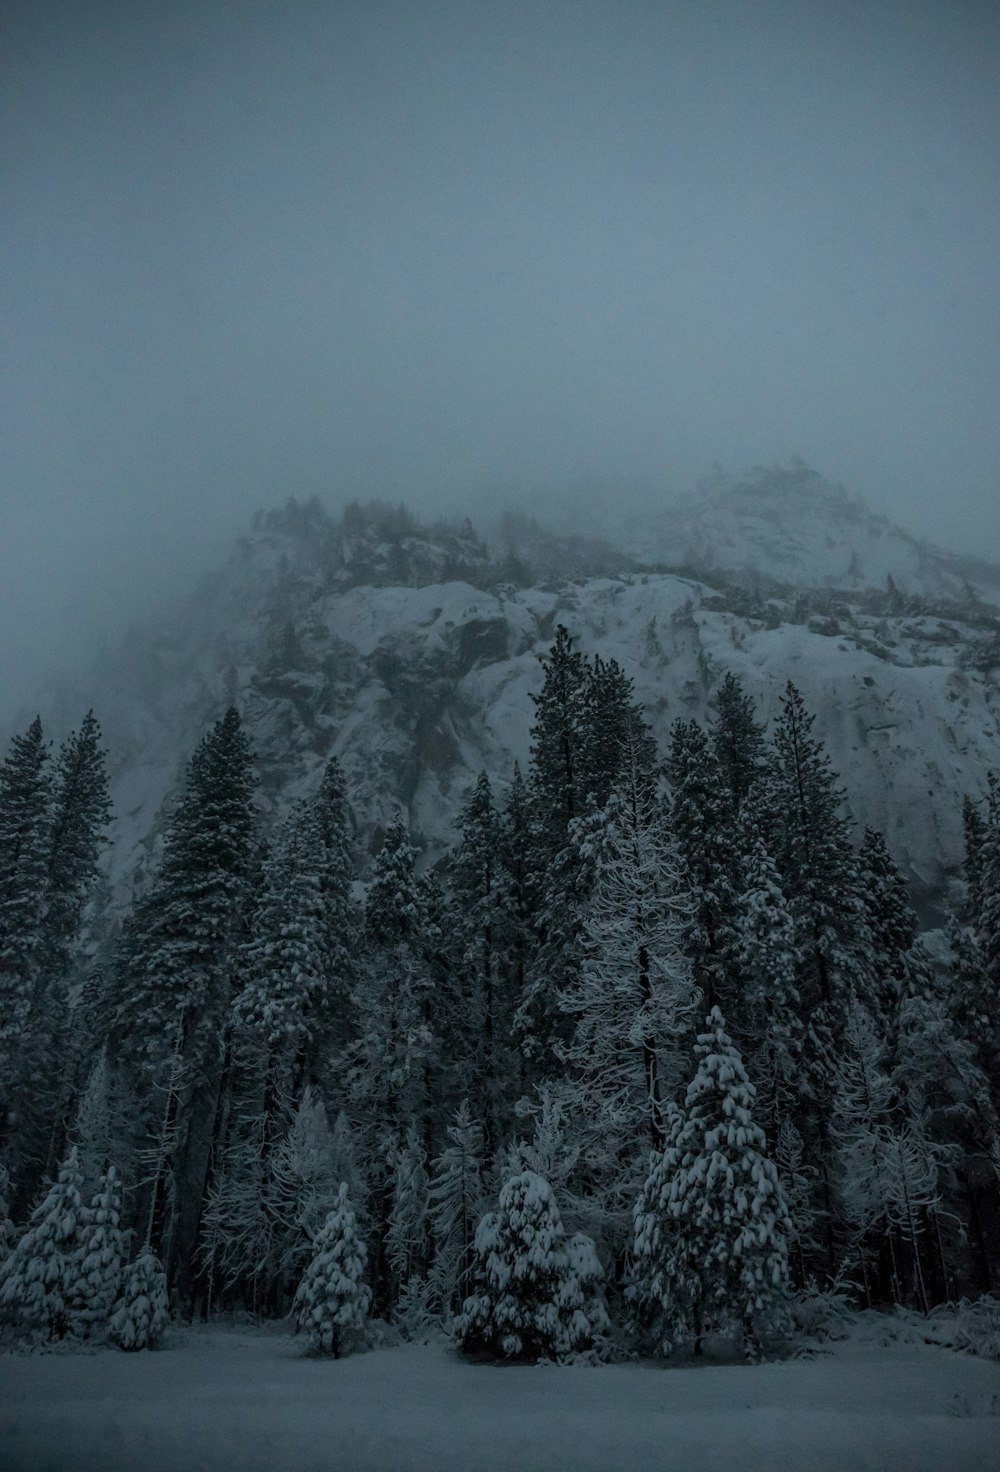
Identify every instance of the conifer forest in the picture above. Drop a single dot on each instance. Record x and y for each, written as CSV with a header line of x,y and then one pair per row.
x,y
654,1053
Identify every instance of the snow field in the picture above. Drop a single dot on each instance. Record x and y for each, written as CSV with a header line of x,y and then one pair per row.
x,y
222,1400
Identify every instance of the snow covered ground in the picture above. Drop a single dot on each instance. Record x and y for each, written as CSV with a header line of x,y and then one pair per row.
x,y
227,1400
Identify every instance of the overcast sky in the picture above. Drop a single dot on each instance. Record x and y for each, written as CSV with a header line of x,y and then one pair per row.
x,y
432,249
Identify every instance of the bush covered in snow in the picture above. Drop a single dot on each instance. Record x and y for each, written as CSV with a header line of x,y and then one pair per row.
x,y
538,1295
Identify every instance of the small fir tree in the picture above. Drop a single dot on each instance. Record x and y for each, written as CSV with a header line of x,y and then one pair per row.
x,y
94,1272
728,1258
332,1298
35,1280
142,1313
529,1302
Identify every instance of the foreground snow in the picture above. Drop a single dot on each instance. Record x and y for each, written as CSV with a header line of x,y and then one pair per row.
x,y
219,1400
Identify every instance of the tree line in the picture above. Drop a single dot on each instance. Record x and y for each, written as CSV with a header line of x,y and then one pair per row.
x,y
659,1007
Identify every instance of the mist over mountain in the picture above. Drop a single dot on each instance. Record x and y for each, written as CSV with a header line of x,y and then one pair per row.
x,y
410,649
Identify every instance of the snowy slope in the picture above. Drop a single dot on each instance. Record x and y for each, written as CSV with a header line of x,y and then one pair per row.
x,y
418,687
790,525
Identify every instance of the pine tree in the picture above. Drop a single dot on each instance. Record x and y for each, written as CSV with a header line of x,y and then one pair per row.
x,y
397,1052
175,975
81,813
455,1204
656,1261
141,1315
284,960
480,1035
702,829
94,1273
560,738
529,1303
890,920
305,1183
817,865
632,1002
738,742
408,1234
833,944
36,1279
332,1299
25,825
762,964
729,1254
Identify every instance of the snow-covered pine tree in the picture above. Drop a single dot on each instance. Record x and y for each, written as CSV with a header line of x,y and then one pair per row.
x,y
397,1052
94,1272
522,874
408,1239
333,1300
632,1002
762,965
560,783
36,1279
175,975
833,946
702,829
102,1127
141,1316
739,742
455,1204
892,924
480,1044
730,1250
889,1166
305,1184
79,815
529,1304
658,1272
818,867
25,825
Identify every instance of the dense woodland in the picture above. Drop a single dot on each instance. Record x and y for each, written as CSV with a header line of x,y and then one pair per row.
x,y
655,1047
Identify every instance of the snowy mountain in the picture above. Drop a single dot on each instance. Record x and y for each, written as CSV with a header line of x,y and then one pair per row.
x,y
788,527
412,653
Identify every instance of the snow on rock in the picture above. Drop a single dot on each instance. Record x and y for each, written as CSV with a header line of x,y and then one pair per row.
x,y
416,688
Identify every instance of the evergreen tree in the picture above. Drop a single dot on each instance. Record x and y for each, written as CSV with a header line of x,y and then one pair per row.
x,y
397,1052
141,1315
632,1001
36,1280
94,1273
529,1303
762,964
818,865
176,974
408,1235
480,1036
701,827
80,816
284,960
306,1183
25,825
560,739
728,1258
891,923
455,1204
739,743
332,1297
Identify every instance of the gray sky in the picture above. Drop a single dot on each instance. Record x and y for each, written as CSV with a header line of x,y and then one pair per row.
x,y
430,249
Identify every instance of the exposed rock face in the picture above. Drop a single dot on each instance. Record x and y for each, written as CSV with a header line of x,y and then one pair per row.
x,y
416,687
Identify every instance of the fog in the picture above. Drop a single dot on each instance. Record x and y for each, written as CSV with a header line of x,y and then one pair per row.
x,y
448,252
